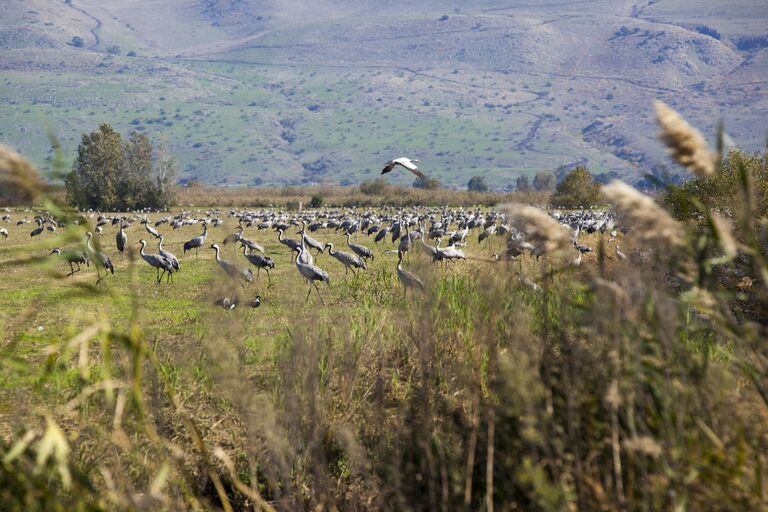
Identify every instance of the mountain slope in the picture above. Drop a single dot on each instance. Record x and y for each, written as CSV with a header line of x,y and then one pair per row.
x,y
250,92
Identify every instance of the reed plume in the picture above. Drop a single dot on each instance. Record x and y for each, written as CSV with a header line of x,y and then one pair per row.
x,y
650,223
20,182
685,143
541,230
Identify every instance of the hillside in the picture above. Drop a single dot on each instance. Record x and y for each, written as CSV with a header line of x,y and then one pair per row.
x,y
251,92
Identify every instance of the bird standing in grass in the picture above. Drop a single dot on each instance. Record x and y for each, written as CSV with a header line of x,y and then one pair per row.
x,y
73,258
233,270
4,232
311,273
196,242
360,250
121,239
167,255
409,279
100,260
156,261
259,261
349,260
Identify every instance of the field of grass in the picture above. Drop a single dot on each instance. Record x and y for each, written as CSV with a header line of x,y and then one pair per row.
x,y
602,388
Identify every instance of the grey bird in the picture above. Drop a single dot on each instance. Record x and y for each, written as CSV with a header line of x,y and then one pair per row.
x,y
233,270
349,260
259,261
121,239
100,260
73,258
157,261
311,273
360,250
197,242
409,279
167,255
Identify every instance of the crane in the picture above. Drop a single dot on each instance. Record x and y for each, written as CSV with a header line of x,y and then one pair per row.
x,y
405,162
121,239
233,270
349,260
311,273
167,255
196,242
100,260
259,261
156,261
360,250
73,258
409,279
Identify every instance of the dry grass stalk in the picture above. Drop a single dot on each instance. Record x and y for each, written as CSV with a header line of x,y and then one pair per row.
x,y
544,232
650,223
20,182
685,143
724,232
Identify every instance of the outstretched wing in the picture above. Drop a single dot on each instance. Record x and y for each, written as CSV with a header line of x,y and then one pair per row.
x,y
406,163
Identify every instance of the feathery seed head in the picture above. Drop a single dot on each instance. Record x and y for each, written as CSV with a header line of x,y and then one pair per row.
x,y
544,232
650,222
685,143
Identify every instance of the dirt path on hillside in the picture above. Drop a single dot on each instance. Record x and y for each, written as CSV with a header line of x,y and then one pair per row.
x,y
96,39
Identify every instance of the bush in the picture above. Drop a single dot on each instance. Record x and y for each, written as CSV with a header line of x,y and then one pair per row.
x,y
477,184
113,50
577,190
377,187
316,201
111,173
721,192
426,183
77,42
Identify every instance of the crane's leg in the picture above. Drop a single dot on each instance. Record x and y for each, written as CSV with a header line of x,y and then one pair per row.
x,y
308,291
319,296
195,253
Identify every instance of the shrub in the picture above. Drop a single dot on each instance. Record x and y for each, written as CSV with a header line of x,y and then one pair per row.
x,y
113,50
722,191
316,201
377,187
77,42
477,184
426,183
577,190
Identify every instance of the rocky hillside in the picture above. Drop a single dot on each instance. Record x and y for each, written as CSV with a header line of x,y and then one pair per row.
x,y
256,91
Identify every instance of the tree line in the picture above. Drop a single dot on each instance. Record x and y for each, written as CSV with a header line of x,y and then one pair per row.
x,y
116,173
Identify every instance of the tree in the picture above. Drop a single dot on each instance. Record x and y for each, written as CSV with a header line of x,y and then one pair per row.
x,y
426,183
77,42
115,174
92,182
577,190
477,184
543,182
522,184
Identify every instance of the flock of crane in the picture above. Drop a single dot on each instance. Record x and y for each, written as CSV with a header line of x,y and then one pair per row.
x,y
406,228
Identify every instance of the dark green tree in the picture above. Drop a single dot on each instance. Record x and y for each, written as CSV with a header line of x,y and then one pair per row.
x,y
115,174
544,182
577,190
522,184
477,184
97,168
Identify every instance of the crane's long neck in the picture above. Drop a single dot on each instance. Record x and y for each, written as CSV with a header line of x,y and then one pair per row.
x,y
160,245
217,254
330,249
89,244
143,243
280,234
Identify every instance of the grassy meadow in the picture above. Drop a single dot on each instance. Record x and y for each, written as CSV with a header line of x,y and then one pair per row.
x,y
599,389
